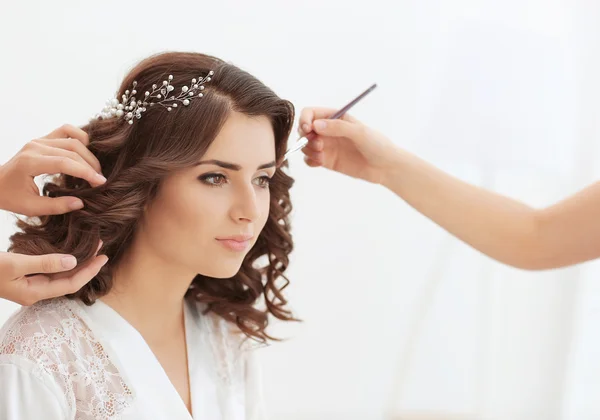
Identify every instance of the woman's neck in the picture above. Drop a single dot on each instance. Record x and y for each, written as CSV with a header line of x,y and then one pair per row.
x,y
149,293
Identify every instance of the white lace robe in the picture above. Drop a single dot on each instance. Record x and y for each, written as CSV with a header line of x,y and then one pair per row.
x,y
60,359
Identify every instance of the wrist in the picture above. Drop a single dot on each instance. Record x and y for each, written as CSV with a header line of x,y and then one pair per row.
x,y
3,189
392,167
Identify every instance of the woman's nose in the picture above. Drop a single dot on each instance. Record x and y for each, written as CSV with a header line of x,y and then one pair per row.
x,y
246,205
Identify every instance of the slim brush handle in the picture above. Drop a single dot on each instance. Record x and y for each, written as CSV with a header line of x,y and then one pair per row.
x,y
303,141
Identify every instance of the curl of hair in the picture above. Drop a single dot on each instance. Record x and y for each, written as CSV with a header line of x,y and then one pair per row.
x,y
135,158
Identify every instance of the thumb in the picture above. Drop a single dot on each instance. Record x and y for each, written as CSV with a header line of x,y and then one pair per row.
x,y
55,205
49,263
337,128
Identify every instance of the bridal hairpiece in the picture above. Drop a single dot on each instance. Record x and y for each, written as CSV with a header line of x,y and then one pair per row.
x,y
131,108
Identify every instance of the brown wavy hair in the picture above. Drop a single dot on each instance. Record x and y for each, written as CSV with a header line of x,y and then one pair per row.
x,y
135,158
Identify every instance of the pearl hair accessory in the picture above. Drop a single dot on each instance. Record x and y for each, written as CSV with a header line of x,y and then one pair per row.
x,y
131,108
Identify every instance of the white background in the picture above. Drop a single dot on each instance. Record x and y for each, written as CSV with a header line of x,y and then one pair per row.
x,y
398,317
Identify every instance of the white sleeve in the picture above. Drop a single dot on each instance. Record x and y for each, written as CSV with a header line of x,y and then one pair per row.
x,y
24,395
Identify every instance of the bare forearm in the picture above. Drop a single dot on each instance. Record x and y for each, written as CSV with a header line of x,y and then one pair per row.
x,y
506,230
502,228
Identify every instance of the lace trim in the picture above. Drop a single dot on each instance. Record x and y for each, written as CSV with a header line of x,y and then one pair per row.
x,y
60,343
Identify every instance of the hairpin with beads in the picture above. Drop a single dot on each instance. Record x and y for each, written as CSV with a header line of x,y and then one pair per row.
x,y
131,108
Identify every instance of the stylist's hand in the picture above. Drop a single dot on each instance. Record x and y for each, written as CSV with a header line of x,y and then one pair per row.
x,y
62,151
26,279
346,145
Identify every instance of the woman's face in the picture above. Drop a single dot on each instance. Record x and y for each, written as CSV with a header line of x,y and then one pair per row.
x,y
208,217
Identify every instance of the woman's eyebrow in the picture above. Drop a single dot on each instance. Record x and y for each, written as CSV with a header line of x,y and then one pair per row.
x,y
233,166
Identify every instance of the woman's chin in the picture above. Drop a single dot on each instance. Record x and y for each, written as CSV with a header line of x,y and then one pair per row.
x,y
222,271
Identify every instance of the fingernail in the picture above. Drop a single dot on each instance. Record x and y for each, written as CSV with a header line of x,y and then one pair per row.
x,y
76,204
100,245
100,178
68,262
306,128
319,124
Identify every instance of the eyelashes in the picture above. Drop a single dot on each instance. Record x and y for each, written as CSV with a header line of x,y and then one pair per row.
x,y
213,180
218,180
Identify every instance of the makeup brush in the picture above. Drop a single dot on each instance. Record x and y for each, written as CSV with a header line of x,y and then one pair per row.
x,y
303,141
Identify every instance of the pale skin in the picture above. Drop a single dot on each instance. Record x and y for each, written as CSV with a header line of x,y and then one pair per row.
x,y
509,231
62,151
225,195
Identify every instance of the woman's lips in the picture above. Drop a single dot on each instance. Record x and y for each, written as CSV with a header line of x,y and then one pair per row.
x,y
239,243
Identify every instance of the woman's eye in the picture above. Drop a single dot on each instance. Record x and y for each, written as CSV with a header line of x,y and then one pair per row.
x,y
263,181
213,180
218,180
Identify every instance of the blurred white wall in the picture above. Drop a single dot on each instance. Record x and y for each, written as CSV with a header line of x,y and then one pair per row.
x,y
501,94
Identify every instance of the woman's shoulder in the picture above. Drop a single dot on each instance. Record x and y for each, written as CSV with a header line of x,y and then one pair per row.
x,y
38,341
52,342
40,328
46,337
